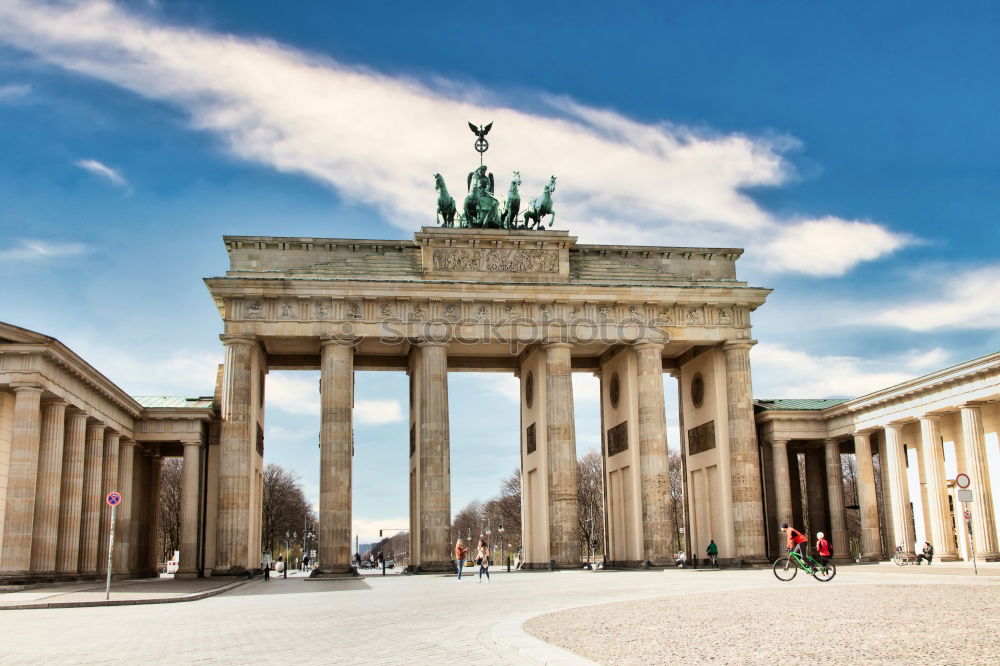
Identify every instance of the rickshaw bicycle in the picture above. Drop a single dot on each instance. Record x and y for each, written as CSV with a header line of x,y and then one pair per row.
x,y
786,567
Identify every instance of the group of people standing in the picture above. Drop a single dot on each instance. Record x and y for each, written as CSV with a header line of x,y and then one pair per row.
x,y
482,558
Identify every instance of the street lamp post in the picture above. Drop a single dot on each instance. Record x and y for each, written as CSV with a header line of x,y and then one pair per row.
x,y
284,569
501,548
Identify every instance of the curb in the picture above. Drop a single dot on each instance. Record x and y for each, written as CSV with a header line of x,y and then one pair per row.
x,y
131,602
509,640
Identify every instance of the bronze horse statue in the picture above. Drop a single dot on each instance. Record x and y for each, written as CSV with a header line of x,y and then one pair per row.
x,y
446,203
508,218
541,206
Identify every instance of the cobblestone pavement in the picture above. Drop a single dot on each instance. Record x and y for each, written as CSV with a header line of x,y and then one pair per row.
x,y
390,620
126,590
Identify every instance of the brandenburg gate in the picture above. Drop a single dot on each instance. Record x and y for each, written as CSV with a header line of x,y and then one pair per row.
x,y
530,302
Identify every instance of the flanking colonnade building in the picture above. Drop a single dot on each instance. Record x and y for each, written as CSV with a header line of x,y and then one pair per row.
x,y
532,303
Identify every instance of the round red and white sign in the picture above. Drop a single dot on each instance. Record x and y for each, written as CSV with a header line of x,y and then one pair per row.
x,y
968,514
963,481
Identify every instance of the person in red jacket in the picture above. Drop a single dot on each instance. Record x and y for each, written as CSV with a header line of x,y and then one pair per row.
x,y
823,549
794,540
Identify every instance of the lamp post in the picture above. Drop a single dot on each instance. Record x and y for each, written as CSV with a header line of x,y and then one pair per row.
x,y
284,569
501,547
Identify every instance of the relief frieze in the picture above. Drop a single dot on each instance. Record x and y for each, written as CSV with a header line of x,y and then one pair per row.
x,y
495,260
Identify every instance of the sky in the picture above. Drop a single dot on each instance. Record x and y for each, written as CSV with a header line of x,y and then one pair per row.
x,y
851,149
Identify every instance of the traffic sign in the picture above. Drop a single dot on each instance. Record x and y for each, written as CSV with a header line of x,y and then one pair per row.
x,y
965,496
114,497
963,481
968,515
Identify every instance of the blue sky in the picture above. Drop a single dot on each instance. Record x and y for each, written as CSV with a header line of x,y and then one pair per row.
x,y
851,149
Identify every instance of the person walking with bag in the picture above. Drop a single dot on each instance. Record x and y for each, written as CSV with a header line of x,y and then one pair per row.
x,y
460,553
265,564
483,560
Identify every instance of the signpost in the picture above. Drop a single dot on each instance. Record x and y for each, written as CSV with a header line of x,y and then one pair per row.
x,y
114,499
965,497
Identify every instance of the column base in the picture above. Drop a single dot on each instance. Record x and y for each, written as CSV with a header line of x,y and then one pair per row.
x,y
448,566
186,574
554,566
332,573
988,557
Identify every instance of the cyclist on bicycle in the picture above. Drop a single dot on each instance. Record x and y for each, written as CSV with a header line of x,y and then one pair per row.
x,y
795,540
823,549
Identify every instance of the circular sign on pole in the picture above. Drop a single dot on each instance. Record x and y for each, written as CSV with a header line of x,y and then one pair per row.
x,y
114,497
968,515
963,481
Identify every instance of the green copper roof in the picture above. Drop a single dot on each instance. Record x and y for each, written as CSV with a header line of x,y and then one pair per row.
x,y
173,402
799,403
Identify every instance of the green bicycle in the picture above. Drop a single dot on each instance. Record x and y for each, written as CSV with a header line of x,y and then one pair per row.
x,y
786,567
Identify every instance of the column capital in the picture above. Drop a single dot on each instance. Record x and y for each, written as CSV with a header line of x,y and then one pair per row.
x,y
831,440
338,340
191,442
95,425
933,418
54,402
236,339
971,406
556,344
643,345
777,443
429,342
738,345
26,387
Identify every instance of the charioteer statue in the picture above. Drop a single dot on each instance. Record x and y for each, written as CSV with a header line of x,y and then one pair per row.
x,y
482,208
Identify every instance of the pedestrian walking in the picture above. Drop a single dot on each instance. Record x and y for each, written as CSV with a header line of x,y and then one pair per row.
x,y
281,566
460,552
713,553
483,560
265,564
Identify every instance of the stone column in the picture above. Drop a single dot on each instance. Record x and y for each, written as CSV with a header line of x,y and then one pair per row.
x,y
44,533
109,482
871,546
188,564
816,491
748,510
657,523
937,491
236,441
124,536
90,512
152,548
984,529
435,457
564,506
336,443
19,515
899,488
71,493
835,496
782,481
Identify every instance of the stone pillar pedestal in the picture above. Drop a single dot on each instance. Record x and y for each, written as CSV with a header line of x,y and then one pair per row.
x,y
71,493
942,533
44,536
19,514
977,467
435,458
123,517
336,443
748,510
188,564
899,489
564,507
871,545
109,482
782,482
835,497
235,448
90,518
657,523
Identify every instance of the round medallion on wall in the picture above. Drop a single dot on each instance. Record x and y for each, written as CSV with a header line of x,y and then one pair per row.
x,y
615,390
697,390
529,390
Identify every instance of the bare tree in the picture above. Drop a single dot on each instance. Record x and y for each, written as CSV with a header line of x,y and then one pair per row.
x,y
676,474
852,516
284,508
468,522
171,473
590,492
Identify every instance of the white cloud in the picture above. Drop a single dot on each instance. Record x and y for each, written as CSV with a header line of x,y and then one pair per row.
x,y
293,394
13,92
367,530
828,246
377,412
780,372
377,139
951,300
102,170
28,250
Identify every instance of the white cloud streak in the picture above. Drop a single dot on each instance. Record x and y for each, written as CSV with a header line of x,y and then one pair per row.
x,y
377,139
13,92
967,300
101,170
35,250
300,395
780,372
